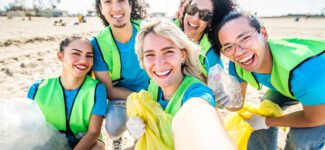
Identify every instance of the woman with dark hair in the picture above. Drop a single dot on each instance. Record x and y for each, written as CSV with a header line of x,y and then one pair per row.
x,y
197,18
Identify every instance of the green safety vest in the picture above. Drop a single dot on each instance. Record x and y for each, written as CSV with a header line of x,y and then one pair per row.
x,y
51,100
175,102
110,52
205,46
287,55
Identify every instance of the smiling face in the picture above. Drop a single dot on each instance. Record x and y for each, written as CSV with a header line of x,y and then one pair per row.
x,y
76,58
162,60
194,27
117,12
253,58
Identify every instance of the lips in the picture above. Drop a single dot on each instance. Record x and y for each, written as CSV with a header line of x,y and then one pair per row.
x,y
247,60
162,73
117,16
81,67
193,26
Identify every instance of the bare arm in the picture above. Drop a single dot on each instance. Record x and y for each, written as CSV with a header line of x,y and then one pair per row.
x,y
197,126
90,138
310,116
112,92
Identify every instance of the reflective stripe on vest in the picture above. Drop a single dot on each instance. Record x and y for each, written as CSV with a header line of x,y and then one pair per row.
x,y
175,102
51,100
287,54
110,52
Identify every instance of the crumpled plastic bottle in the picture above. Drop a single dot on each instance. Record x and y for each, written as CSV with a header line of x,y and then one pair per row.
x,y
23,127
226,88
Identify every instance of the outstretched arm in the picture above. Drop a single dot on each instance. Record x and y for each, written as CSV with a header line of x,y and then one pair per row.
x,y
310,116
197,126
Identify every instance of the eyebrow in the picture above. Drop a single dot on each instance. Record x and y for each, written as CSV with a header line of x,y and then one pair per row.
x,y
77,50
242,34
80,51
164,49
239,36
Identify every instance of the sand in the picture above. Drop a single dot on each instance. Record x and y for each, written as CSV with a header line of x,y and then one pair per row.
x,y
28,51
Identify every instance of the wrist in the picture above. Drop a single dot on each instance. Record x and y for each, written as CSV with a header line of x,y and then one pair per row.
x,y
268,121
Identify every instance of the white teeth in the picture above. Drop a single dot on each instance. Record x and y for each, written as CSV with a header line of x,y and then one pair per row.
x,y
117,16
81,67
162,73
246,58
193,25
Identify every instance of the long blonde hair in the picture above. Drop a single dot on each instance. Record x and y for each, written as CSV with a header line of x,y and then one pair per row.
x,y
169,30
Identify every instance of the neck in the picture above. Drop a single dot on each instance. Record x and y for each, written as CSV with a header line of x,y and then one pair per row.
x,y
198,38
70,82
169,91
267,62
123,34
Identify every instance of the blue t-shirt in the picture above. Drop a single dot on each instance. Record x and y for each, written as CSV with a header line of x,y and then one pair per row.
x,y
196,90
307,81
132,76
212,59
100,107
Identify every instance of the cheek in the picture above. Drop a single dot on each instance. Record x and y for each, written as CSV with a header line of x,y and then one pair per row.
x,y
146,64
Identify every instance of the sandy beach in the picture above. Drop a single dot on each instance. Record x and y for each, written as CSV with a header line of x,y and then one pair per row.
x,y
28,50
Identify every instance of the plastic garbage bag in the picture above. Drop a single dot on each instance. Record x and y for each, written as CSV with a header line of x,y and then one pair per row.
x,y
158,131
239,130
226,88
23,127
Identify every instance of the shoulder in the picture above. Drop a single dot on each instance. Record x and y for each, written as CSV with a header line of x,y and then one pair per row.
x,y
232,71
201,91
33,88
308,82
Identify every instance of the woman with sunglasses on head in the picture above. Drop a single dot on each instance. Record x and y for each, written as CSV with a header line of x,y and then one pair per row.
x,y
196,22
171,61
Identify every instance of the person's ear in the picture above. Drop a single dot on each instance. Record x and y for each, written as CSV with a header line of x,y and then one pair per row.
x,y
184,55
264,33
59,55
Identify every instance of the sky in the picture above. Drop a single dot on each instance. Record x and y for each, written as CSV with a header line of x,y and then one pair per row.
x,y
262,7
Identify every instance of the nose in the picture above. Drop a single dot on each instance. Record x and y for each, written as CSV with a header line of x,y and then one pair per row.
x,y
160,61
116,6
239,50
83,59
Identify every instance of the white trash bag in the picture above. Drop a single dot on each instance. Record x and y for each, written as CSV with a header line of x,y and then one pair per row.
x,y
226,88
23,127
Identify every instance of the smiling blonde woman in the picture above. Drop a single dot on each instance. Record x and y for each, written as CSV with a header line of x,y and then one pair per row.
x,y
171,61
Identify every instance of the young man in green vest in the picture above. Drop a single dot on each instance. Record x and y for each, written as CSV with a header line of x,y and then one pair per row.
x,y
293,67
115,62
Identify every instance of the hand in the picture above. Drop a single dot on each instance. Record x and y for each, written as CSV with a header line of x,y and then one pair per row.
x,y
257,122
226,89
136,127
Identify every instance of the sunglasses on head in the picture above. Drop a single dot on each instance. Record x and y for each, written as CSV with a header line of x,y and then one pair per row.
x,y
204,14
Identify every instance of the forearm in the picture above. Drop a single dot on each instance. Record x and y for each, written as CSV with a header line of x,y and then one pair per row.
x,y
118,93
88,141
296,120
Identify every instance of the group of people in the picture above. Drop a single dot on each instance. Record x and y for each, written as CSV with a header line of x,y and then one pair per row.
x,y
171,59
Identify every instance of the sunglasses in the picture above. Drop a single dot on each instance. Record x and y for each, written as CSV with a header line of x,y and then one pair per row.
x,y
204,15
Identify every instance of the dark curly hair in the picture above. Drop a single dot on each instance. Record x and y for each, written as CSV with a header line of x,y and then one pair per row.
x,y
221,9
138,10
